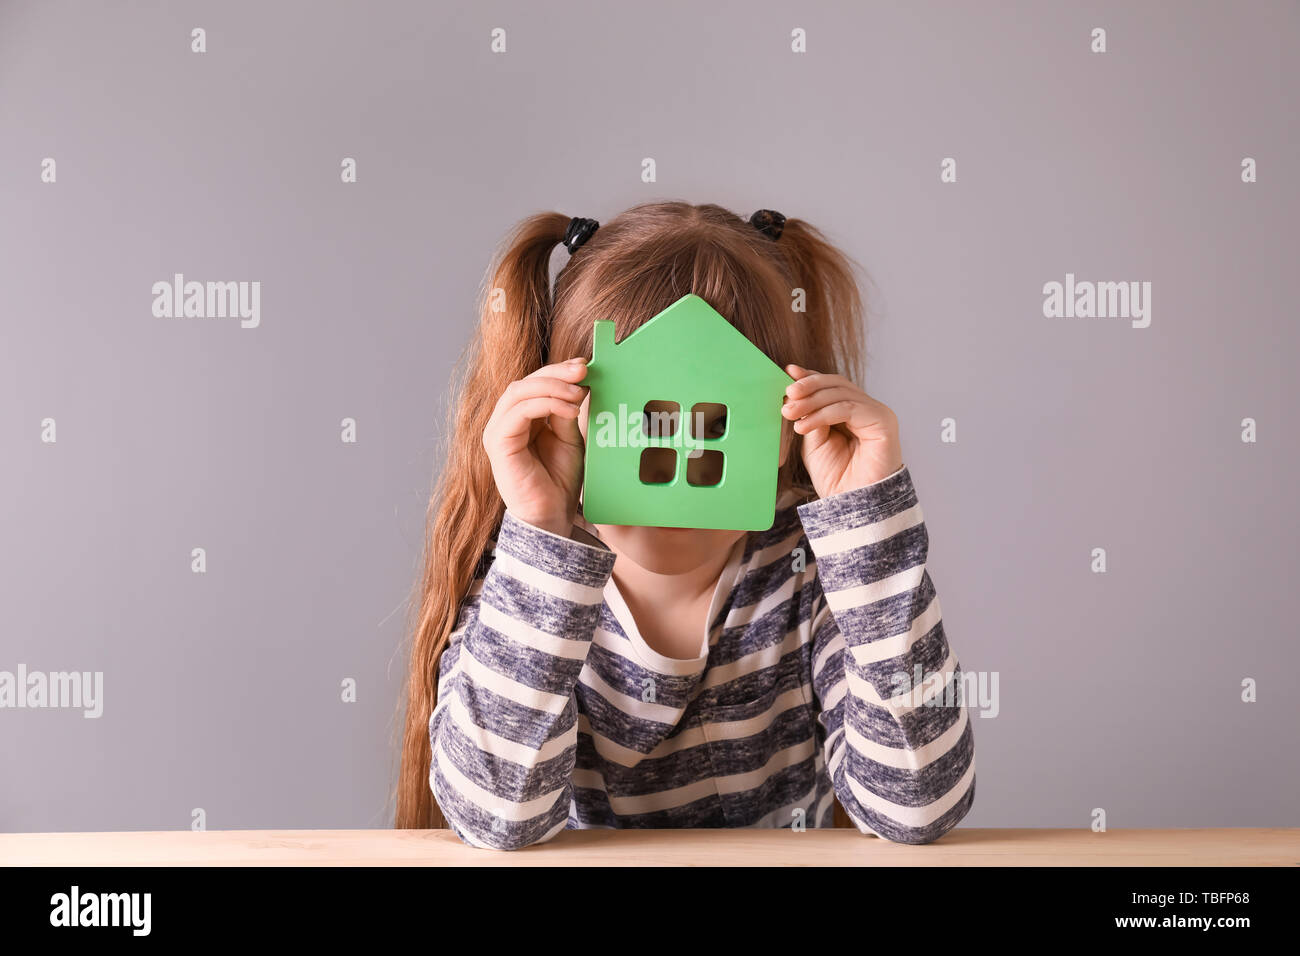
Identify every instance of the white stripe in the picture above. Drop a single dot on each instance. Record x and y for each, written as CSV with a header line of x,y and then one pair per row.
x,y
544,581
749,780
445,677
553,831
698,790
616,753
904,703
721,674
901,757
503,747
488,802
838,542
887,647
739,729
834,752
469,837
848,598
782,551
915,817
627,704
508,687
784,816
742,616
828,650
616,644
524,633
833,697
882,650
931,687
670,799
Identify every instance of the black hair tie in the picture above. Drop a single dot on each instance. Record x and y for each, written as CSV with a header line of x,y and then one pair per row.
x,y
769,222
579,231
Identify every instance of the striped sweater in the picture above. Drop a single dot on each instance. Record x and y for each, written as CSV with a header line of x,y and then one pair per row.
x,y
553,712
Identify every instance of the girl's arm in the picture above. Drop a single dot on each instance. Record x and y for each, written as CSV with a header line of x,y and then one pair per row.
x,y
902,767
504,731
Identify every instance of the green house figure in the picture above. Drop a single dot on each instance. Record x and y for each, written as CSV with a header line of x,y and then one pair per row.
x,y
684,424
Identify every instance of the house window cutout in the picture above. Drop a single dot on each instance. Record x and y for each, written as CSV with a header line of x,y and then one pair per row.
x,y
706,468
708,420
659,419
658,466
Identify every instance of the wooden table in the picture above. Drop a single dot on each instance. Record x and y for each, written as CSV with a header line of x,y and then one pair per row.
x,y
830,847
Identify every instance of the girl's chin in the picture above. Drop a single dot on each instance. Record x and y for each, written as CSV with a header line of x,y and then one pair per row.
x,y
659,549
646,530
664,550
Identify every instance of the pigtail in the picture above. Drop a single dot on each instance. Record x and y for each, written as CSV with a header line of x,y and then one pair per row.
x,y
466,509
835,318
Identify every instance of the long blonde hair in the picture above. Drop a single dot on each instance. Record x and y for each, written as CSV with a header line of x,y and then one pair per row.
x,y
633,267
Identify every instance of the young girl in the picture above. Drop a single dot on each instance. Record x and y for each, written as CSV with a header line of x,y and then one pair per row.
x,y
570,675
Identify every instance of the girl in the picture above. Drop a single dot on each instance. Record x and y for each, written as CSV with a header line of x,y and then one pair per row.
x,y
570,675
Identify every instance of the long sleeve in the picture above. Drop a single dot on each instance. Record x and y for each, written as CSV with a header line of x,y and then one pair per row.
x,y
504,731
901,760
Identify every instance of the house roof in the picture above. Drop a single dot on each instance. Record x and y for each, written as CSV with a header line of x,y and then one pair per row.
x,y
689,344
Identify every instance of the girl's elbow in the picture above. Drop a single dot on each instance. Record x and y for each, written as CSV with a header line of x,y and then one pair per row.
x,y
492,837
484,831
918,836
945,824
896,831
481,829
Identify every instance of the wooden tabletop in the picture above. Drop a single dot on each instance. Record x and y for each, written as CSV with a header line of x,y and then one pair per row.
x,y
829,847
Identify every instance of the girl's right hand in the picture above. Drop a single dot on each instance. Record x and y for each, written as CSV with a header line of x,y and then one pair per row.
x,y
535,446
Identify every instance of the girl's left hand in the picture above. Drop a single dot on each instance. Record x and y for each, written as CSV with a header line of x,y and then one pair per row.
x,y
850,439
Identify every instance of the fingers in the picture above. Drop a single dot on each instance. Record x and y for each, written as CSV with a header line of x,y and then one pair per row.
x,y
574,370
567,429
817,400
536,386
863,419
807,381
557,381
835,413
514,429
552,390
797,408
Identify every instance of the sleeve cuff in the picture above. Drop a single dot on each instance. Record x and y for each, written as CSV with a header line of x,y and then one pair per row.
x,y
859,506
567,558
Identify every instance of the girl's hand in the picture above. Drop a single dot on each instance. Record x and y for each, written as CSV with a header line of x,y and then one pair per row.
x,y
850,439
535,447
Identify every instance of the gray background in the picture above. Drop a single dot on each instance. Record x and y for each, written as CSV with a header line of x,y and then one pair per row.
x,y
1119,690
